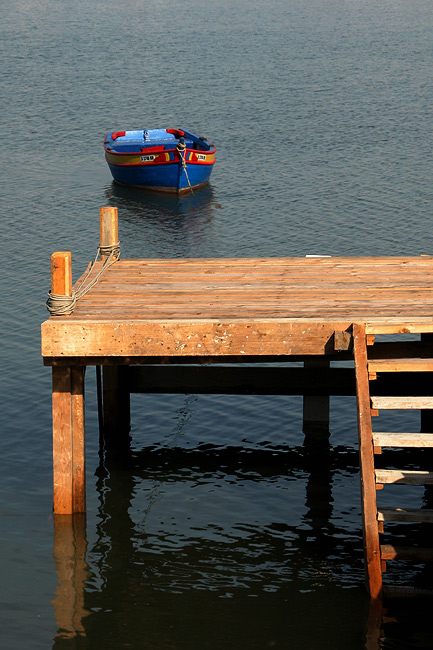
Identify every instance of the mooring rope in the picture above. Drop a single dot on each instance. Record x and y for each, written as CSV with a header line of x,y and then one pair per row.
x,y
59,305
181,146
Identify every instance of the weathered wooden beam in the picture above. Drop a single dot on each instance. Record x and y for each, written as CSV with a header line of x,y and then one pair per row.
x,y
68,440
120,337
385,350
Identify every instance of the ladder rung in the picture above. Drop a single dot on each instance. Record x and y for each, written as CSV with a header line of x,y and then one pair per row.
x,y
418,402
421,325
404,477
403,439
389,552
400,365
403,591
405,514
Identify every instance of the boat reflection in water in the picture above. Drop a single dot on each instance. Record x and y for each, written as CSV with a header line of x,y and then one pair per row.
x,y
164,222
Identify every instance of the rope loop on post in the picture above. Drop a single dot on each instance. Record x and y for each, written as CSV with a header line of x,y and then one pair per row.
x,y
61,305
107,250
64,305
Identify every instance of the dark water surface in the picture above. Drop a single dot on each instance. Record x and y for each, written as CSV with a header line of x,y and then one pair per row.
x,y
222,530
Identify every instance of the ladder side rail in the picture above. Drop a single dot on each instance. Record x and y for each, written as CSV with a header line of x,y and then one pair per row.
x,y
373,568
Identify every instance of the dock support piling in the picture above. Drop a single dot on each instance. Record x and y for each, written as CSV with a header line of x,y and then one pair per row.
x,y
116,408
316,407
68,440
68,412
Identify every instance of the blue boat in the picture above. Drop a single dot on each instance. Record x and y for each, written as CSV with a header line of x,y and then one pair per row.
x,y
166,160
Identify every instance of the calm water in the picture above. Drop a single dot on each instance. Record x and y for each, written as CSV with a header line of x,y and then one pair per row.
x,y
223,530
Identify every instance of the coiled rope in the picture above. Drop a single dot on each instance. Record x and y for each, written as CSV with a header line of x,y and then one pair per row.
x,y
64,305
181,146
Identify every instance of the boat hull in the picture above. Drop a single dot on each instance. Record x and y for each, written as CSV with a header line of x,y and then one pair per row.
x,y
159,163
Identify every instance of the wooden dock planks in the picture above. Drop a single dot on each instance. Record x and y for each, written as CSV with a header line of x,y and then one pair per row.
x,y
241,306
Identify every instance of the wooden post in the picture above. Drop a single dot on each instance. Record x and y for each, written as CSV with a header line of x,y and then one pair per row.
x,y
61,273
78,440
316,407
68,440
68,412
109,229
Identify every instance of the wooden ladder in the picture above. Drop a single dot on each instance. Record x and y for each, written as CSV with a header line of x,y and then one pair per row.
x,y
370,444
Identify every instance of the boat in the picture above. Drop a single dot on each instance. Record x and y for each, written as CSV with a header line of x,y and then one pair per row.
x,y
166,160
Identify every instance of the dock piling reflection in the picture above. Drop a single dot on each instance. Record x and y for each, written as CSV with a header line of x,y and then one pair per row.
x,y
70,545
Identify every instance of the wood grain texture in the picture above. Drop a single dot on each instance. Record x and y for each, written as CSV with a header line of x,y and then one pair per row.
x,y
372,558
68,440
402,439
241,306
109,231
403,477
401,365
61,273
410,402
62,441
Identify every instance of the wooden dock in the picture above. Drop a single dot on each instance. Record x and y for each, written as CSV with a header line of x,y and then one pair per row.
x,y
201,320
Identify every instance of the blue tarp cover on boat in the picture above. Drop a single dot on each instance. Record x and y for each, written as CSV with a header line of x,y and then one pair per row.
x,y
152,135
